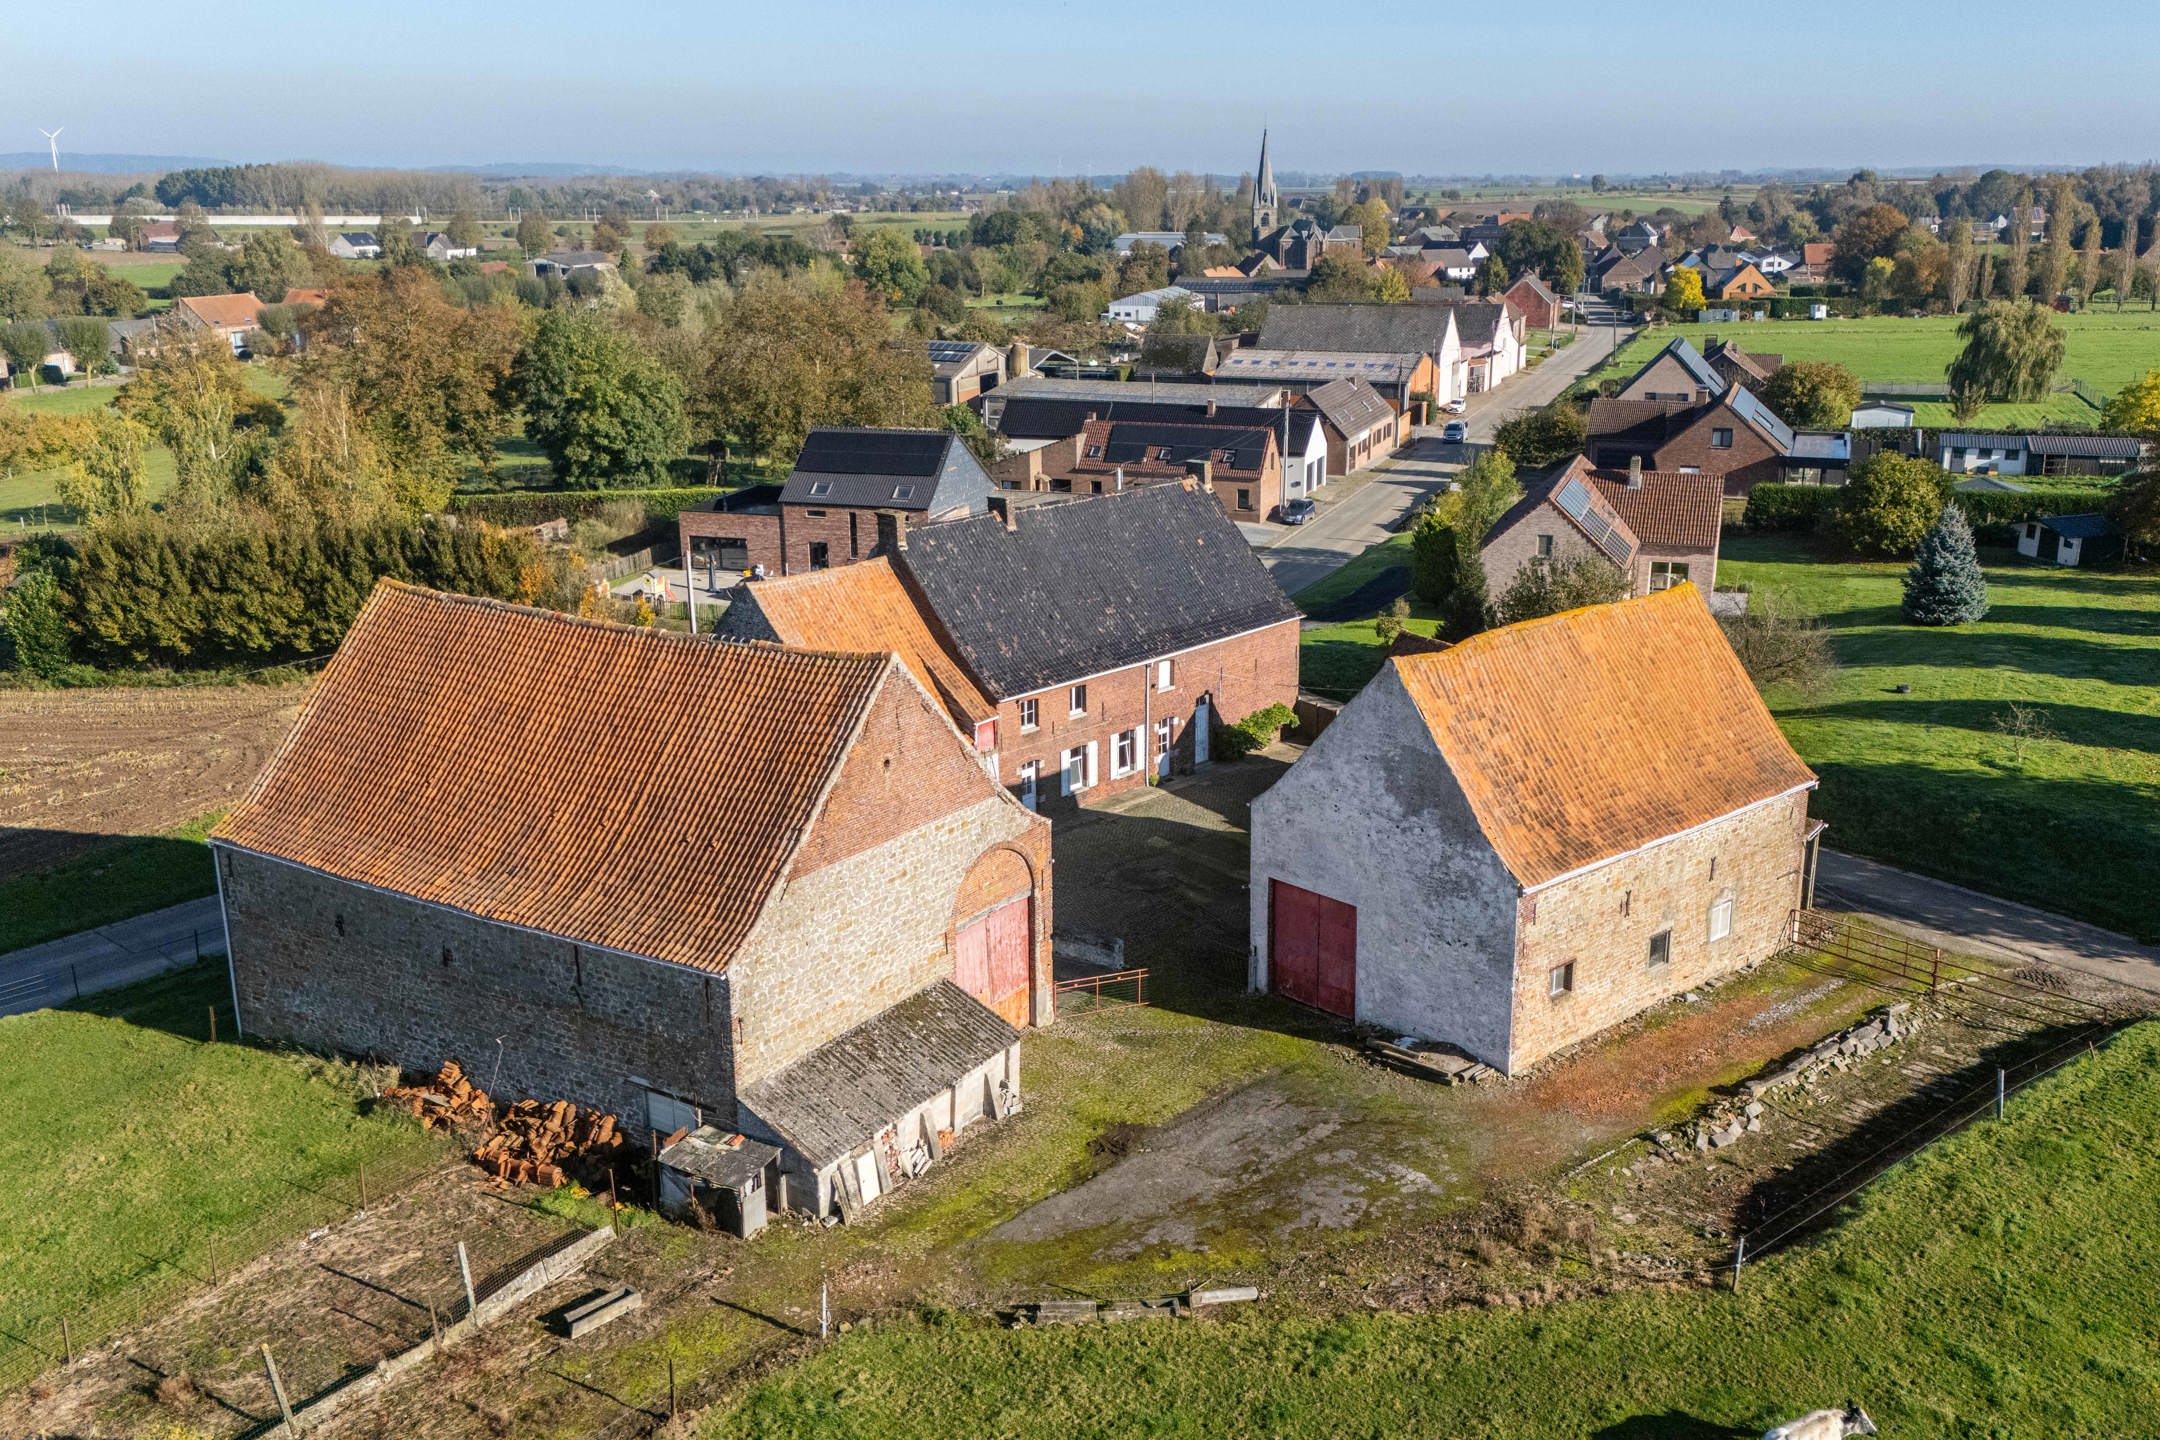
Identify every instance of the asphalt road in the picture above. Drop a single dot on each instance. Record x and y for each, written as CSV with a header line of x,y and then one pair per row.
x,y
112,955
1345,527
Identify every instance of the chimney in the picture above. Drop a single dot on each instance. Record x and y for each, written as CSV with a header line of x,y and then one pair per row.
x,y
1003,507
1634,472
1119,480
1211,409
1202,473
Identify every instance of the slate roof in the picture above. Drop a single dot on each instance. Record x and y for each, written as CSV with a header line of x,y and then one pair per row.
x,y
1757,367
1142,442
927,470
1030,417
837,1098
1351,406
1584,735
1698,367
1297,366
2087,447
1478,322
2085,526
505,762
578,259
1368,329
1646,424
1035,387
1091,585
866,607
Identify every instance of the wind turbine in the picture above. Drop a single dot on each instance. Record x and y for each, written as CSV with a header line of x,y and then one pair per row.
x,y
52,138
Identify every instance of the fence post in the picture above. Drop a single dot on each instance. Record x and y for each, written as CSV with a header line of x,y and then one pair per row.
x,y
67,1341
277,1388
213,1024
363,1189
2002,1088
1739,1253
472,1301
824,1309
671,1386
434,1322
1935,970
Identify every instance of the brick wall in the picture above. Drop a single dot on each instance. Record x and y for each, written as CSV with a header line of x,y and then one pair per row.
x,y
1750,461
343,969
1239,675
1603,922
759,530
1506,553
1665,378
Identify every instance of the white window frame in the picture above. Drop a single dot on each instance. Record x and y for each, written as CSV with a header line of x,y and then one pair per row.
x,y
1124,753
1669,572
1721,917
1560,980
1031,783
1076,701
1080,758
1165,675
1030,716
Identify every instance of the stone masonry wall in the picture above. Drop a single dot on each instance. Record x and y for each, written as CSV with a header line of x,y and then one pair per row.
x,y
340,968
1603,921
856,936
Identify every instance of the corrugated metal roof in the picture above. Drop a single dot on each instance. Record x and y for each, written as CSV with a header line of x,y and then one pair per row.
x,y
620,787
1585,735
837,1098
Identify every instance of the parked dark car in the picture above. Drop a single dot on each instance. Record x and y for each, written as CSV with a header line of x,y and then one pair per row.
x,y
1296,512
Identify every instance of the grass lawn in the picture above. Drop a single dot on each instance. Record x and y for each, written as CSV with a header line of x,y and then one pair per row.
x,y
1994,1286
1923,779
1336,659
118,878
2103,348
132,1148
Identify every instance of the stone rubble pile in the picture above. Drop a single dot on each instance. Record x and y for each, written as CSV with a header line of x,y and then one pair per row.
x,y
1727,1120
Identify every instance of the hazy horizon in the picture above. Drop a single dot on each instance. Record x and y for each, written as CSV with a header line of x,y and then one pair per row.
x,y
1055,88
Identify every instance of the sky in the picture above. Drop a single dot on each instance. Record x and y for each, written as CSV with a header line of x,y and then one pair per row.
x,y
1082,86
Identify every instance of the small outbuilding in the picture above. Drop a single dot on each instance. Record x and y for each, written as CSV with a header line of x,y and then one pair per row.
x,y
2070,539
1518,841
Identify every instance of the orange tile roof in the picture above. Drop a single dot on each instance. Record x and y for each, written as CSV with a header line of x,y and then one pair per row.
x,y
307,297
866,606
1585,735
231,310
619,787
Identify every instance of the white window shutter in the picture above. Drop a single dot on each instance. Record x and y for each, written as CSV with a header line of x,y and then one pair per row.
x,y
1090,781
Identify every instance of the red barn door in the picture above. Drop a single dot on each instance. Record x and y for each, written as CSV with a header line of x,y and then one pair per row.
x,y
990,960
1312,949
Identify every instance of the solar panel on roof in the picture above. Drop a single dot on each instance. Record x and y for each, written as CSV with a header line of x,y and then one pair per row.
x,y
1573,499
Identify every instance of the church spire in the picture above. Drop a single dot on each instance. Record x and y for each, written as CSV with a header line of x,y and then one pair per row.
x,y
1264,201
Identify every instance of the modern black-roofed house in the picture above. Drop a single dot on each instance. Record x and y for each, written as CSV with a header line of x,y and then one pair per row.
x,y
1048,449
1110,635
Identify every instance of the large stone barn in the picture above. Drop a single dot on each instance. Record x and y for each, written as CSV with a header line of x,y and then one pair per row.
x,y
1517,841
692,884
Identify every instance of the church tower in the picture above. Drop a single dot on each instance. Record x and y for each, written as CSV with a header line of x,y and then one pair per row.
x,y
1264,200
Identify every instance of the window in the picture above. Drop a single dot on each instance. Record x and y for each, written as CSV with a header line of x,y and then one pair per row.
x,y
1029,710
815,514
1030,778
1244,499
1162,452
1660,947
1076,771
1095,487
1721,918
1165,733
1124,752
1664,574
1561,981
1094,452
1076,702
1544,547
1163,674
1721,438
986,734
821,487
820,555
903,492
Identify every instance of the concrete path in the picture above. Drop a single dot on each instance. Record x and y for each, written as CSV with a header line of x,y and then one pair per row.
x,y
1966,920
1347,527
109,956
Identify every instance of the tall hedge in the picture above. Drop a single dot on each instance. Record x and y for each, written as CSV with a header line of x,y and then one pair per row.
x,y
1996,514
150,591
517,509
1790,507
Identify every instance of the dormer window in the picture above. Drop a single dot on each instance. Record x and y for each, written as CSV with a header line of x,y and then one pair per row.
x,y
821,487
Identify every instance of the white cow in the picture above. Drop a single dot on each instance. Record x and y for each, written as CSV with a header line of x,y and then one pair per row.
x,y
1824,1425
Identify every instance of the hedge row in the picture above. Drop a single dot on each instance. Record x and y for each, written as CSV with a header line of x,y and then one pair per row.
x,y
1994,513
517,509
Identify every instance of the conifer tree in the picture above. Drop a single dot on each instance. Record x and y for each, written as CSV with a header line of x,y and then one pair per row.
x,y
1945,585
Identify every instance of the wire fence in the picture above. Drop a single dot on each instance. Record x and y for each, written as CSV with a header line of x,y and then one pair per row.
x,y
34,1342
23,989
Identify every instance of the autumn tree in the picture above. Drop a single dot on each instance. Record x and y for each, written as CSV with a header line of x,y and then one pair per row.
x,y
602,408
791,352
892,266
1374,220
534,234
463,230
2017,270
1869,234
429,379
1960,264
108,477
190,394
1683,296
2135,409
2012,350
268,265
1813,394
2055,259
1890,502
1547,587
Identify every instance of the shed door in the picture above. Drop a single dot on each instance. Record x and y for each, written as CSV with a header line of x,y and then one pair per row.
x,y
990,960
1312,949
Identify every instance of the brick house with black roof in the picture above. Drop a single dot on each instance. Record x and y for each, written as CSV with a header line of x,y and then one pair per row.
x,y
829,510
1108,635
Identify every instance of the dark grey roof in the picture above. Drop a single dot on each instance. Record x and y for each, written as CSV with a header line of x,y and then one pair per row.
x,y
927,470
836,1099
357,237
1699,369
1089,586
1046,417
2088,447
1357,329
1132,442
578,259
1765,420
1477,322
707,1154
2079,527
1351,407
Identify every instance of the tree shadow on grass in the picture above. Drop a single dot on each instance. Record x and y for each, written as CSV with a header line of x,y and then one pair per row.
x,y
178,1002
2076,724
1672,1425
2067,657
2100,619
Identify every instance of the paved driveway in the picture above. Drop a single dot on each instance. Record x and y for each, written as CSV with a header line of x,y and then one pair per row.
x,y
111,955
